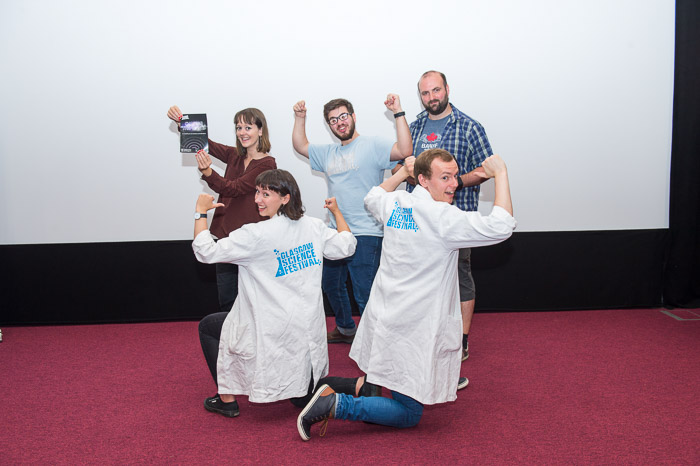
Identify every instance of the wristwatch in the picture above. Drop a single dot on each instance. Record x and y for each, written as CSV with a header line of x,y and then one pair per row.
x,y
197,215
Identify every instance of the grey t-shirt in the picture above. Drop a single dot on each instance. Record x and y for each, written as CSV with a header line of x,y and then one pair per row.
x,y
432,134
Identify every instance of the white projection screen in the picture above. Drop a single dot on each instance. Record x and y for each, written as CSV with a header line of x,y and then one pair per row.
x,y
576,96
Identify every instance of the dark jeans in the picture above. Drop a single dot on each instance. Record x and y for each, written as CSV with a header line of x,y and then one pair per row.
x,y
227,285
362,267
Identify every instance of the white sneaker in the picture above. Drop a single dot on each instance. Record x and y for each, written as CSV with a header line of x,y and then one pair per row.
x,y
463,382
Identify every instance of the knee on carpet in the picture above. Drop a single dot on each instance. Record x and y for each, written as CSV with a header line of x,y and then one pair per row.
x,y
414,417
414,412
301,402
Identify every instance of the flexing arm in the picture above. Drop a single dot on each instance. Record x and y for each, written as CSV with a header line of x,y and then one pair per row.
x,y
404,144
205,202
474,177
408,179
495,168
332,206
399,176
299,141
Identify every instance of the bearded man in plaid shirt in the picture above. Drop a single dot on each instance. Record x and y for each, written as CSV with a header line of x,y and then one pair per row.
x,y
442,126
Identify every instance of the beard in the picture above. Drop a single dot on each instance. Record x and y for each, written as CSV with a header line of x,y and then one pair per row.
x,y
349,133
442,105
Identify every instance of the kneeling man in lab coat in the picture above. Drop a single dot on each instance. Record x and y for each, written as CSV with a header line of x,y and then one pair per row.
x,y
410,337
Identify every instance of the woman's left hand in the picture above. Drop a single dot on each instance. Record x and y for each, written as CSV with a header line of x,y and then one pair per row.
x,y
203,162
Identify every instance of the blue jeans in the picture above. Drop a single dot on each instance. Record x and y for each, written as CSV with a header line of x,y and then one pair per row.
x,y
401,411
362,267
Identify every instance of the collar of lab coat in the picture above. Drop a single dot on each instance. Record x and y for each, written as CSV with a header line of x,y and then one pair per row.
x,y
422,193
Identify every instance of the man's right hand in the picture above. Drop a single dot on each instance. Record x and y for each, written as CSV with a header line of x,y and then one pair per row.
x,y
393,103
174,113
300,109
409,162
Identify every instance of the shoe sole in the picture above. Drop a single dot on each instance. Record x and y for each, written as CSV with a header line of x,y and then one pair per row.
x,y
341,341
300,418
462,386
465,356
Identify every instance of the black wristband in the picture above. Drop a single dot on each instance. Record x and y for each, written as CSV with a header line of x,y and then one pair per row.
x,y
400,114
460,183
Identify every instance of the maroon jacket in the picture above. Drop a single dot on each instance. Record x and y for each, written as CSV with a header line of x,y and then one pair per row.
x,y
236,189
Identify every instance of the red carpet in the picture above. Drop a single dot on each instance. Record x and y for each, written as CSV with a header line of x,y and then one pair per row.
x,y
584,387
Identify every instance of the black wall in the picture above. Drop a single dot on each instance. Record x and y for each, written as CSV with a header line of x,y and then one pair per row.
x,y
682,272
150,281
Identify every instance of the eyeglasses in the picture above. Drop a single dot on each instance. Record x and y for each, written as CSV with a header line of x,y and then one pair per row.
x,y
342,117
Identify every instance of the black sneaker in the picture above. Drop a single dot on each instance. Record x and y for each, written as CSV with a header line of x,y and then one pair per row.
x,y
320,408
463,382
215,405
465,353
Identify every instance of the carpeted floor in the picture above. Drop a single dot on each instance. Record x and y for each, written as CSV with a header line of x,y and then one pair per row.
x,y
584,387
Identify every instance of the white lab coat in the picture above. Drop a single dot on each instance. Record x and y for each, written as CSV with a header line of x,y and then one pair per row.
x,y
275,333
410,335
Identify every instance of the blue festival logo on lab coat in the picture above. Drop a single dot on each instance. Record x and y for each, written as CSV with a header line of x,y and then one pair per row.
x,y
402,218
296,259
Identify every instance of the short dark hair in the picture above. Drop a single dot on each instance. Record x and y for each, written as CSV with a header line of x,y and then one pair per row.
x,y
444,79
425,160
336,103
282,182
253,116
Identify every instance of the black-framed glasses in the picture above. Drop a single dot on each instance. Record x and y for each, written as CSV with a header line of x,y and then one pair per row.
x,y
342,117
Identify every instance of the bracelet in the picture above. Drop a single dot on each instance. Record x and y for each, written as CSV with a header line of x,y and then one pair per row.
x,y
400,114
460,183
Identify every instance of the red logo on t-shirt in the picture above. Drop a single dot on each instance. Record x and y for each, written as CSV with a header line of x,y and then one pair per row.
x,y
431,137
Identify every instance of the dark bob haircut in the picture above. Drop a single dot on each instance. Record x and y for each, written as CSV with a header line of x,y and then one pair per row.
x,y
282,182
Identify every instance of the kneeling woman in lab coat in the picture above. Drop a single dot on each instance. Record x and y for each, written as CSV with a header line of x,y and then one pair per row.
x,y
273,342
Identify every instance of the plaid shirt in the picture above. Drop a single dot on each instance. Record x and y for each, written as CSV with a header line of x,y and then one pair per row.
x,y
466,140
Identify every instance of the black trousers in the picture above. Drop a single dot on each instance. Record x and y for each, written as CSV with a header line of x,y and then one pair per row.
x,y
210,334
